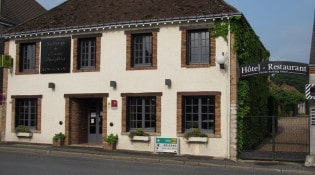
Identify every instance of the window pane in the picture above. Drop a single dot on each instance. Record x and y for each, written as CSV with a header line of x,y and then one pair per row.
x,y
198,47
28,57
142,49
26,112
145,113
198,112
87,52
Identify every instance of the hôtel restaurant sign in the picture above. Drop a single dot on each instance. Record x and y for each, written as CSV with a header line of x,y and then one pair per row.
x,y
274,67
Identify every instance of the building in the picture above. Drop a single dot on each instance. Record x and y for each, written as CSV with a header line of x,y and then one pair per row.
x,y
12,13
312,102
92,68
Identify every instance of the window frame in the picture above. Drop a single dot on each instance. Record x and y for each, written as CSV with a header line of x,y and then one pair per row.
x,y
185,30
77,41
20,57
15,113
217,112
141,43
87,53
125,125
137,106
130,34
196,104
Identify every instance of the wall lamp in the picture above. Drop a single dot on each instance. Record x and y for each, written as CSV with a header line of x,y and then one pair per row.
x,y
221,60
113,84
168,82
51,85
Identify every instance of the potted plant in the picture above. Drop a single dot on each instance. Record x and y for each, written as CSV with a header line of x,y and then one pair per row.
x,y
195,135
59,139
23,131
110,142
139,135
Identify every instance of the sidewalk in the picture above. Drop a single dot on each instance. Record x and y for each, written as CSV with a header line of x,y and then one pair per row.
x,y
269,166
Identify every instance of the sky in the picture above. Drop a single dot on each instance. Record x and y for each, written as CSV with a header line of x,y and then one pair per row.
x,y
285,27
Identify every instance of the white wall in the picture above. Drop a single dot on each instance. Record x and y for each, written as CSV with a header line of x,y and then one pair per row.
x,y
113,67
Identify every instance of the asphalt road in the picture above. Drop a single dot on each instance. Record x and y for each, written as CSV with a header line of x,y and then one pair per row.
x,y
17,163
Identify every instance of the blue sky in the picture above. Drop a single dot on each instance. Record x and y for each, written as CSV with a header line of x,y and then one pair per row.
x,y
284,26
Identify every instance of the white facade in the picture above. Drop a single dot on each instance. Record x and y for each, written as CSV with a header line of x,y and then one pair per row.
x,y
113,68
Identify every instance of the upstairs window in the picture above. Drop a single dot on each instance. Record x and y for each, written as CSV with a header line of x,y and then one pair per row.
x,y
142,50
198,47
27,57
87,53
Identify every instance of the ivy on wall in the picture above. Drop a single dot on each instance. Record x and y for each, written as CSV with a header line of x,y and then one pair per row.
x,y
253,92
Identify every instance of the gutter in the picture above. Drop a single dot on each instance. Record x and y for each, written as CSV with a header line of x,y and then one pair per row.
x,y
124,24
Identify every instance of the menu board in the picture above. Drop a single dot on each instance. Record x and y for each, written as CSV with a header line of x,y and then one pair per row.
x,y
55,55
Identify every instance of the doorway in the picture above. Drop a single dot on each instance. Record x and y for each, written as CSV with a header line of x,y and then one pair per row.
x,y
85,120
95,122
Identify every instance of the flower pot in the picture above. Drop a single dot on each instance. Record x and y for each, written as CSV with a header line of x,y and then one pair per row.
x,y
141,138
58,142
197,140
108,146
24,134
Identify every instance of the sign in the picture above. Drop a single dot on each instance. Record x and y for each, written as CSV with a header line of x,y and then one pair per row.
x,y
6,61
55,55
168,145
310,91
274,67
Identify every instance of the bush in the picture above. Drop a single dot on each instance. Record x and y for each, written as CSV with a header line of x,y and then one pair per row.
x,y
22,128
137,132
111,139
195,132
59,136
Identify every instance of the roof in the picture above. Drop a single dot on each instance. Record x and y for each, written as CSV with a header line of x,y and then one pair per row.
x,y
74,13
17,11
312,56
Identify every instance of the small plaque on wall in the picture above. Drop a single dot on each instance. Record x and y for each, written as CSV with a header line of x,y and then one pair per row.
x,y
55,55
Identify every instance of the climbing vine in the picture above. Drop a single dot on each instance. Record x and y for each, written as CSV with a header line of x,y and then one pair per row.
x,y
253,92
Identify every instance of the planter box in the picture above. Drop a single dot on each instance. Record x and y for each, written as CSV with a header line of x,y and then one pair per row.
x,y
24,134
141,138
108,146
197,140
58,142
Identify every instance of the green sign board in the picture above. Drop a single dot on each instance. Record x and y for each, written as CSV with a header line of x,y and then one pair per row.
x,y
169,145
6,61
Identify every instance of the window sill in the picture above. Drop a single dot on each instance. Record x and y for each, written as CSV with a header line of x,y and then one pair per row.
x,y
197,140
24,134
141,139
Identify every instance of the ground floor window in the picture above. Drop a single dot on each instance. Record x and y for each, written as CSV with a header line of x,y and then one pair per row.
x,y
27,111
142,111
199,110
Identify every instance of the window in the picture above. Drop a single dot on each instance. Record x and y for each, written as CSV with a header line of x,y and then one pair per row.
x,y
199,110
27,57
26,113
198,47
87,52
141,49
141,113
